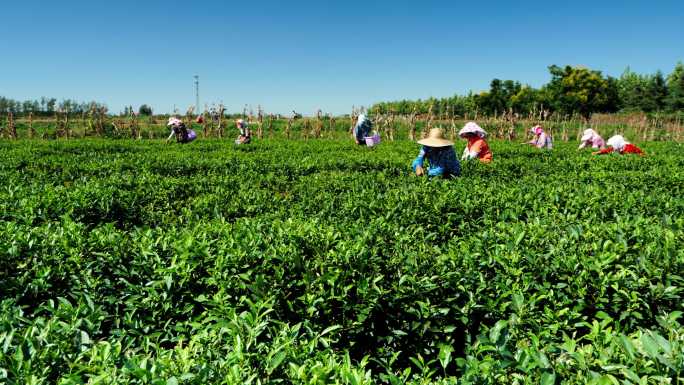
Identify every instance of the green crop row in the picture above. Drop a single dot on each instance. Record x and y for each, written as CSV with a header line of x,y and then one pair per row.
x,y
319,262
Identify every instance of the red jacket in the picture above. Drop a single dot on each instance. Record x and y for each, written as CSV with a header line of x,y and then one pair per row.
x,y
628,149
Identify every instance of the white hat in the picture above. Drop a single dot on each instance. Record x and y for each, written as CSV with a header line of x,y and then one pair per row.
x,y
436,139
472,128
618,142
588,134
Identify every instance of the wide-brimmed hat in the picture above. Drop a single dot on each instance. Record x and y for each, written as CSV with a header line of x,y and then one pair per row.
x,y
588,134
174,122
472,128
618,142
436,139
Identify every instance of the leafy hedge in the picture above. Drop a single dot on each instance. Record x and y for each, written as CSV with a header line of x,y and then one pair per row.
x,y
320,262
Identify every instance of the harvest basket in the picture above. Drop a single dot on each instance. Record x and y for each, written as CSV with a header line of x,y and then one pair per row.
x,y
372,140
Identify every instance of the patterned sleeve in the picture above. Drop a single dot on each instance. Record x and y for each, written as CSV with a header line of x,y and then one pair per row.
x,y
420,160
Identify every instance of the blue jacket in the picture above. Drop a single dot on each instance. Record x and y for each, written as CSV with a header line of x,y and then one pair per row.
x,y
442,161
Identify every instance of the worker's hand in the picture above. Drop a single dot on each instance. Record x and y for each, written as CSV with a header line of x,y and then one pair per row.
x,y
419,171
595,153
356,140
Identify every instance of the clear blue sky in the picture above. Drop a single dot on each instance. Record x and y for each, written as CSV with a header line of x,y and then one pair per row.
x,y
306,55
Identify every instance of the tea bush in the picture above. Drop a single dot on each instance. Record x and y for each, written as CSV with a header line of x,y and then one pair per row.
x,y
319,262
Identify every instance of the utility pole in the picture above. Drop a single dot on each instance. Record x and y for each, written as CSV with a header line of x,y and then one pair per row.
x,y
197,105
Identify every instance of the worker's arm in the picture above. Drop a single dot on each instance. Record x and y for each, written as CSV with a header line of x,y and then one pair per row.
x,y
418,162
607,150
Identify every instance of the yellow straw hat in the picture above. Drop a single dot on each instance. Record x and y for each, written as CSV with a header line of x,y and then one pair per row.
x,y
436,139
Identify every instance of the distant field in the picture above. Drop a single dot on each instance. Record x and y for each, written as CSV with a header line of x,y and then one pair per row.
x,y
637,127
319,262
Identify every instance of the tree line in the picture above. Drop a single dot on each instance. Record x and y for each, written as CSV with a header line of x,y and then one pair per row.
x,y
47,106
571,90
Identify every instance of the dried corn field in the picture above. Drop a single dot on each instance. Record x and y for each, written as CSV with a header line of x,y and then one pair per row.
x,y
638,127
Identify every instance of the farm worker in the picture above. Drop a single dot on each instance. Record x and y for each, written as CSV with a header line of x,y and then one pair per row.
x,y
362,129
591,138
541,139
245,133
618,144
440,155
477,147
178,129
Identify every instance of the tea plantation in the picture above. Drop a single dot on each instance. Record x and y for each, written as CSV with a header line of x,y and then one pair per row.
x,y
293,262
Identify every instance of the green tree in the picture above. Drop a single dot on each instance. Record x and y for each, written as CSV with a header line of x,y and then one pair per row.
x,y
525,100
631,91
581,90
496,98
499,98
145,110
657,89
675,87
50,105
27,106
641,92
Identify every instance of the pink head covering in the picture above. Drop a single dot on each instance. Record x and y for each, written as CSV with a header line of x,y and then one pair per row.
x,y
174,122
537,130
472,128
